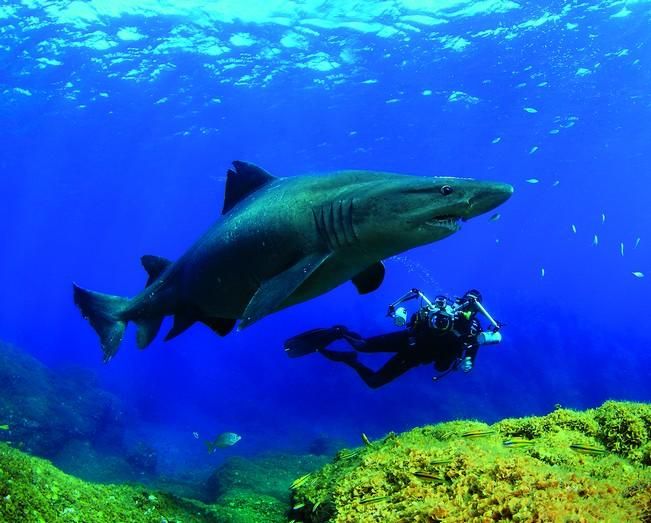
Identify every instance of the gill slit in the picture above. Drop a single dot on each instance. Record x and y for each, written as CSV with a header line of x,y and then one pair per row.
x,y
335,224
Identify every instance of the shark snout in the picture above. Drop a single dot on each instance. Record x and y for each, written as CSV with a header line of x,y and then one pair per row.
x,y
488,198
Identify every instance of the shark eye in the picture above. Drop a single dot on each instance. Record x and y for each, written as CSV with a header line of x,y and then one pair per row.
x,y
446,189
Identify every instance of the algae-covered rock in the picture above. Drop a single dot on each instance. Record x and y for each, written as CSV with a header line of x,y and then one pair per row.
x,y
80,459
268,474
45,409
245,506
624,427
566,466
32,490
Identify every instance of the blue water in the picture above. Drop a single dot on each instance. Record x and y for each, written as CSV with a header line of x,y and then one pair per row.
x,y
119,121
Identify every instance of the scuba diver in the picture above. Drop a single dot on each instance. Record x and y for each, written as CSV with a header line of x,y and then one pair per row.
x,y
446,333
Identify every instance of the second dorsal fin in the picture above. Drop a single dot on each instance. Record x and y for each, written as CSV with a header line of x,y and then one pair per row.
x,y
245,179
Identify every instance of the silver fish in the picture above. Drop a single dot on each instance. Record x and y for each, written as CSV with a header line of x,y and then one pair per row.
x,y
226,439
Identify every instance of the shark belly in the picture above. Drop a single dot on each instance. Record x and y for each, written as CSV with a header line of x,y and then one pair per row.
x,y
222,273
340,268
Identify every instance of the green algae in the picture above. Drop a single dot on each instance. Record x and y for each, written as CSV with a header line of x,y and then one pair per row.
x,y
433,473
245,506
32,490
453,472
268,474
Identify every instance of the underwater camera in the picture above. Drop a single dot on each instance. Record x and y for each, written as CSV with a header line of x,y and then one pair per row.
x,y
442,314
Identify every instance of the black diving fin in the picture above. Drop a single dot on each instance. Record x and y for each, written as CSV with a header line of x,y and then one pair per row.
x,y
313,341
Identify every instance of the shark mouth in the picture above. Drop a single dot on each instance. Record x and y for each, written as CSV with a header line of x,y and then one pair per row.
x,y
447,221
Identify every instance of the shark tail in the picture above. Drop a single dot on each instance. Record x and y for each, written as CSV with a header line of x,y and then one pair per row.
x,y
104,312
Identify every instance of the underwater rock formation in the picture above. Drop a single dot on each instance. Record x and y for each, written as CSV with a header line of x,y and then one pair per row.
x,y
269,474
32,490
45,410
565,466
64,416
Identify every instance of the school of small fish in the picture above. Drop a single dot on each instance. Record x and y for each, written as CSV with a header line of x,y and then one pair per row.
x,y
573,227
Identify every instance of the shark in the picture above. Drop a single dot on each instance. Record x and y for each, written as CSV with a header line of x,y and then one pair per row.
x,y
283,241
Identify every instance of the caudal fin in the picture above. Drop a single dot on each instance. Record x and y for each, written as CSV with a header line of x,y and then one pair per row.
x,y
104,314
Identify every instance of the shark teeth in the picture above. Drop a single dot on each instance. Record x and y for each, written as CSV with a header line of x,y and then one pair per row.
x,y
451,222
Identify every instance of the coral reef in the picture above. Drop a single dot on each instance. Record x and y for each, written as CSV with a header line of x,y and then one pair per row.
x,y
565,466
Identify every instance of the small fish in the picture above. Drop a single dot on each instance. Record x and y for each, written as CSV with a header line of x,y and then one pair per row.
x,y
226,439
495,217
533,149
638,274
300,481
4,427
316,505
603,217
531,110
298,506
588,449
429,476
532,180
595,240
542,272
517,443
637,242
195,435
366,441
477,433
497,140
621,248
556,183
374,499
348,454
574,228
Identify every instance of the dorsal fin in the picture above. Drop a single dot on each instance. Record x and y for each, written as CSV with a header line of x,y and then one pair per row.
x,y
154,265
245,179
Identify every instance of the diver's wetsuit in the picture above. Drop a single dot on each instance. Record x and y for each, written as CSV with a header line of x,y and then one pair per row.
x,y
416,345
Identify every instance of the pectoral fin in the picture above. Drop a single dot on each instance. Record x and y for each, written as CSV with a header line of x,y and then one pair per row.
x,y
273,292
370,278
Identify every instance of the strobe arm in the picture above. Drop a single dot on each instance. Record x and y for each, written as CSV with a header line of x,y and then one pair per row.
x,y
409,295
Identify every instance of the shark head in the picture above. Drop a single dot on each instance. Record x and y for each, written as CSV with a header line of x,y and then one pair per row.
x,y
399,212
